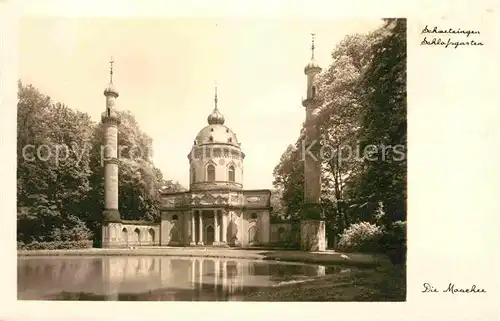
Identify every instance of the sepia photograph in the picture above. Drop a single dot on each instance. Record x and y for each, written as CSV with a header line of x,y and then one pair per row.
x,y
211,159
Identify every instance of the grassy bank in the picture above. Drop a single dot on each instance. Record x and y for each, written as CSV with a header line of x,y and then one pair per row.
x,y
384,283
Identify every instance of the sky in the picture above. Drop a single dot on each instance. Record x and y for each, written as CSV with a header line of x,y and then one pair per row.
x,y
165,70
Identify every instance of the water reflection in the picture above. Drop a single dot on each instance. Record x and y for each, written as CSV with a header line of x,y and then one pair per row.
x,y
151,278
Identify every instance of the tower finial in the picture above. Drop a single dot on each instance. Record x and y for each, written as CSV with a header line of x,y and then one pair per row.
x,y
111,70
110,89
215,99
215,118
312,45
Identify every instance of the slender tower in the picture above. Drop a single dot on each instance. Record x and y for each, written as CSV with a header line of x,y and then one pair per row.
x,y
312,227
109,159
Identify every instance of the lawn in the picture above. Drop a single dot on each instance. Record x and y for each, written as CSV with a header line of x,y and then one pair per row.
x,y
384,283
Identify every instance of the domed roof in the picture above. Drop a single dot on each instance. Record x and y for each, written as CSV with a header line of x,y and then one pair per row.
x,y
215,118
216,134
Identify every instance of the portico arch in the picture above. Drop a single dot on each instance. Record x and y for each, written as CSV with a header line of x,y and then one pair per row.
x,y
210,234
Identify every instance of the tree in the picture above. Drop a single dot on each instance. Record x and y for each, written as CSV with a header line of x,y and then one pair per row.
x,y
339,123
278,210
53,168
289,179
383,89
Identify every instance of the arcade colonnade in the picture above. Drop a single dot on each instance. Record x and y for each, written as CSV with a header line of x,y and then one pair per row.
x,y
212,222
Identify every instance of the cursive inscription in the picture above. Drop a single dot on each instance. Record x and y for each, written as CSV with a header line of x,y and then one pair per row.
x,y
449,38
452,288
450,31
449,43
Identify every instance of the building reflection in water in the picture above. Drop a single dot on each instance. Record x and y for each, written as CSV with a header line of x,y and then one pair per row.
x,y
150,278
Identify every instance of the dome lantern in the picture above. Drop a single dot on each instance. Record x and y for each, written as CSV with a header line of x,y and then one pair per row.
x,y
215,118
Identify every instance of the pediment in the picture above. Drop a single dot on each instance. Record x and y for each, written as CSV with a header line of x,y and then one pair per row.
x,y
195,200
207,199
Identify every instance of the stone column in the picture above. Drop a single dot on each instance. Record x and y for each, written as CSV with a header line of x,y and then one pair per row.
x,y
200,234
110,162
216,227
223,227
193,229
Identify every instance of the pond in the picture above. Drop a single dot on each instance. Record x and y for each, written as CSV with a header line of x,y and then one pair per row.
x,y
150,278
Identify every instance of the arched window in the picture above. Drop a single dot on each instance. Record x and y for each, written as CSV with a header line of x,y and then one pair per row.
x,y
231,173
193,175
210,173
151,235
125,236
137,235
313,91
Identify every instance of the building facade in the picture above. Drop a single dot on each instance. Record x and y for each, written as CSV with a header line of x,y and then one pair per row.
x,y
216,210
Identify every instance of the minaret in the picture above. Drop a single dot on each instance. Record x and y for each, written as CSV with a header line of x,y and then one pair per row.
x,y
109,159
312,228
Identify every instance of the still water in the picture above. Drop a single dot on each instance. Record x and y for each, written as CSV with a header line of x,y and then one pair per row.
x,y
149,278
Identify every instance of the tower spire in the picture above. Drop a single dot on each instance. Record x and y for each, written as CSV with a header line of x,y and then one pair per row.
x,y
312,45
215,98
215,117
111,90
312,67
111,70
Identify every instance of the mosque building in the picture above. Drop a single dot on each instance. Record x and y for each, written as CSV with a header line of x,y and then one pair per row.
x,y
215,211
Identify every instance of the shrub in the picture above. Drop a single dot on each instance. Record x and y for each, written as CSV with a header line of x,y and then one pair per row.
x,y
360,237
55,245
393,242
